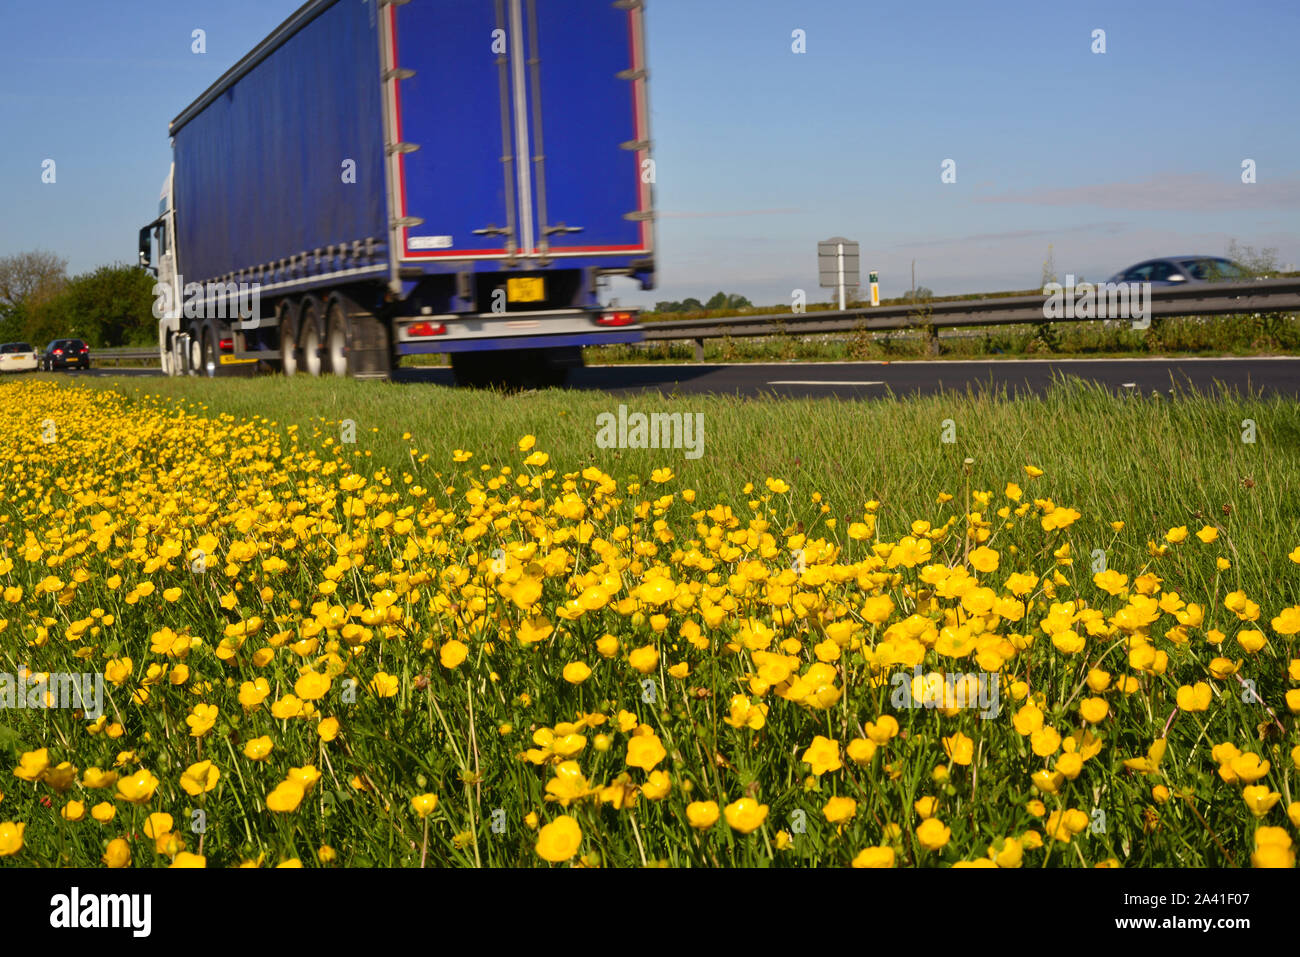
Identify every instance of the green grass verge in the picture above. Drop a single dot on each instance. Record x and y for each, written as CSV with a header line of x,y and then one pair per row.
x,y
451,718
1154,463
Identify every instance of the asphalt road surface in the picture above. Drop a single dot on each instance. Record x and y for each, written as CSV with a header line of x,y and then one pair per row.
x,y
865,380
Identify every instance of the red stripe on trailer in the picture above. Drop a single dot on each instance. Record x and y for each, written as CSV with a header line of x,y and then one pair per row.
x,y
397,117
638,87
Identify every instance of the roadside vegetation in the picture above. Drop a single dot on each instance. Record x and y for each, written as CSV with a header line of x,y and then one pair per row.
x,y
108,307
349,623
1238,335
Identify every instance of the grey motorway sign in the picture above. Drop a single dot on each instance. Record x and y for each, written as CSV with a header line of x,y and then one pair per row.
x,y
828,262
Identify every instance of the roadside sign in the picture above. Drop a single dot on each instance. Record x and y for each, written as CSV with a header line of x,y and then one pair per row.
x,y
837,264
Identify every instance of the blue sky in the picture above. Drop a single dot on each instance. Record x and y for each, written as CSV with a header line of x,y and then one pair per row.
x,y
761,152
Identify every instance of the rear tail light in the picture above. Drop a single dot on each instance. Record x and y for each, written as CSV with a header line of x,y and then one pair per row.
x,y
85,348
58,352
226,344
423,329
616,319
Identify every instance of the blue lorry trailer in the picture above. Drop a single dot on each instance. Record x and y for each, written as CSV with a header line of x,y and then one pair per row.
x,y
381,178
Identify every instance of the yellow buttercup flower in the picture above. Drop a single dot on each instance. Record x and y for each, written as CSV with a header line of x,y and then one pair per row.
x,y
657,786
644,659
117,854
1151,763
289,706
384,685
576,672
1259,799
201,719
875,857
424,804
1009,853
745,815
453,653
840,809
253,693
1094,710
882,730
285,798
32,764
559,840
644,751
823,755
861,751
1272,848
702,815
1194,697
312,686
200,778
138,788
305,777
933,834
959,748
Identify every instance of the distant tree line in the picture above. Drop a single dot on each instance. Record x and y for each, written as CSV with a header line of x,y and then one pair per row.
x,y
720,300
109,306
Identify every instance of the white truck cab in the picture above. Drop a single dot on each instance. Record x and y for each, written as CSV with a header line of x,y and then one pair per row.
x,y
158,246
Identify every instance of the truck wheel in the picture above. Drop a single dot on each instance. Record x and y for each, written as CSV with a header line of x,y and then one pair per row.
x,y
313,358
167,358
336,340
288,343
211,362
196,351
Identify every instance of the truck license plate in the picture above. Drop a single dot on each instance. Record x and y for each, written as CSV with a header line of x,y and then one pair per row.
x,y
528,289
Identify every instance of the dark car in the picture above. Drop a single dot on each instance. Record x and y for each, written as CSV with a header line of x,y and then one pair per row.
x,y
66,354
1176,270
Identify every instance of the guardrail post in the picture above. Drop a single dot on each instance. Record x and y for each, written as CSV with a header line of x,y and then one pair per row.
x,y
699,350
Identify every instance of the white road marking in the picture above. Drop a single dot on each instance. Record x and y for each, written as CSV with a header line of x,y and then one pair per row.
x,y
945,362
822,382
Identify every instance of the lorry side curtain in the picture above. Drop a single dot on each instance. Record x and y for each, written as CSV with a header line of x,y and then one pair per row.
x,y
264,172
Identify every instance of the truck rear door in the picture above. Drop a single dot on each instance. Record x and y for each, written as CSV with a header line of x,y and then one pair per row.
x,y
530,119
588,140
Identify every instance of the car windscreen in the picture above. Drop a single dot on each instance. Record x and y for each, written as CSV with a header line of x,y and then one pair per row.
x,y
10,347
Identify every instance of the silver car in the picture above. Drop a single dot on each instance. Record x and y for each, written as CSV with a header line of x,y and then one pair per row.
x,y
1177,270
